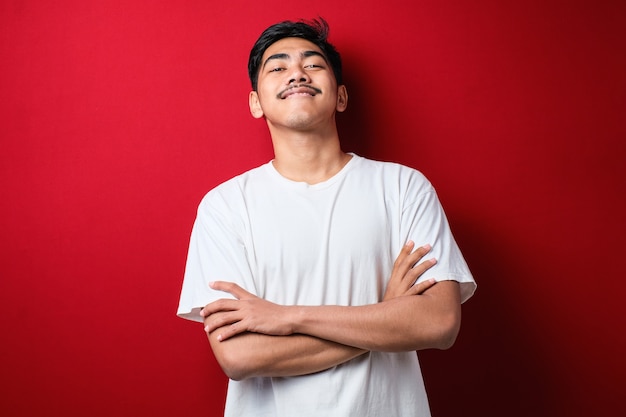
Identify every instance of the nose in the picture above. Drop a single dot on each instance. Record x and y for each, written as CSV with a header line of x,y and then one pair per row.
x,y
298,76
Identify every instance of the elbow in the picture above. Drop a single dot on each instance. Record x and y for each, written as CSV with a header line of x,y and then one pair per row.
x,y
235,374
447,339
232,372
232,359
447,330
233,365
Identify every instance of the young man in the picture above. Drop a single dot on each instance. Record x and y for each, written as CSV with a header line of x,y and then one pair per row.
x,y
292,266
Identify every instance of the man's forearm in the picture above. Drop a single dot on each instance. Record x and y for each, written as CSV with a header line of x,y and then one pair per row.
x,y
407,323
250,355
428,320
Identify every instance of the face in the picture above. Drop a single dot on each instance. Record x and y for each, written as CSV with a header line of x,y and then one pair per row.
x,y
296,87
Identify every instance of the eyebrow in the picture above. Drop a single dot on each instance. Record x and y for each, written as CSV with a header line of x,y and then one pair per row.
x,y
305,54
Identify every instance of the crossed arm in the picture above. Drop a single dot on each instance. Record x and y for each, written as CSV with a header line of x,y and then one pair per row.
x,y
253,337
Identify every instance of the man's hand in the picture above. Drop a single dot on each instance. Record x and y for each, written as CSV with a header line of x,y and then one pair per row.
x,y
247,313
405,272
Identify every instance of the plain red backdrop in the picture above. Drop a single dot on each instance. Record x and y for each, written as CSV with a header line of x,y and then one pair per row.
x,y
117,117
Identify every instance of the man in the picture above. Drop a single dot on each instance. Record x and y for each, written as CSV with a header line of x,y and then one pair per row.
x,y
292,266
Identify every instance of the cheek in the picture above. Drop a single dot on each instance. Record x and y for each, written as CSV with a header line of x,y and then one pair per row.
x,y
267,92
264,101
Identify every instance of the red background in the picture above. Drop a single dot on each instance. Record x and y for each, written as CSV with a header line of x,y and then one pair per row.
x,y
117,117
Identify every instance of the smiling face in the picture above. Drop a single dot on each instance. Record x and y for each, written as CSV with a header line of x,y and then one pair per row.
x,y
296,87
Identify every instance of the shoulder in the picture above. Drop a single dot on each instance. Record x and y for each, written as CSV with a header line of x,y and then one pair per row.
x,y
394,175
231,194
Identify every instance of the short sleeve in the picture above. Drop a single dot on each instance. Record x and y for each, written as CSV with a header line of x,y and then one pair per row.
x,y
424,222
216,253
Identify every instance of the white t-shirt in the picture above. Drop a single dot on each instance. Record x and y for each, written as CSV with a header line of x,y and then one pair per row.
x,y
331,243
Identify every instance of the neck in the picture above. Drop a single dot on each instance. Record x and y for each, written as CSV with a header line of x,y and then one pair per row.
x,y
308,157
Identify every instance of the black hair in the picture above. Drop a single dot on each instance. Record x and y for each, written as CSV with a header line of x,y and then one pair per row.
x,y
314,31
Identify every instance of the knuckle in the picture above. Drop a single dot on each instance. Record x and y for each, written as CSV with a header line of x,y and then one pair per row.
x,y
408,262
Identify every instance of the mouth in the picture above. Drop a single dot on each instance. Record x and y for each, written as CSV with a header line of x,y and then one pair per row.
x,y
299,90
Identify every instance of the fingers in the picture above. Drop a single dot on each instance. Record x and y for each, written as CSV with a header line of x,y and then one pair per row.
x,y
227,323
230,331
422,267
217,320
407,258
419,288
418,254
417,271
402,259
224,304
218,306
226,315
231,288
407,269
406,264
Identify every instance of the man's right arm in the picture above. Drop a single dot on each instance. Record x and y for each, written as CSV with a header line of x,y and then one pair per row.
x,y
257,355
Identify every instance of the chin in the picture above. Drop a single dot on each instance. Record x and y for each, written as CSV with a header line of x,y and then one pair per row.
x,y
299,121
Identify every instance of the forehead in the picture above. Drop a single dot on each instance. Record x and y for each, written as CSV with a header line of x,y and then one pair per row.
x,y
291,47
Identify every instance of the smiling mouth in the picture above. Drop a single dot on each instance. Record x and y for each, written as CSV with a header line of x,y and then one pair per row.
x,y
300,90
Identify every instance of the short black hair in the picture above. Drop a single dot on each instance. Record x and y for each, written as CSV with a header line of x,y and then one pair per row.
x,y
314,31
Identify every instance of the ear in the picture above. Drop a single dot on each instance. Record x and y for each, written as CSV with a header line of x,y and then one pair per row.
x,y
255,105
342,98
